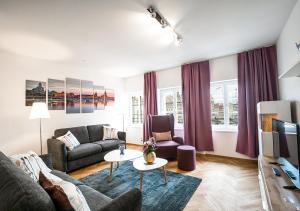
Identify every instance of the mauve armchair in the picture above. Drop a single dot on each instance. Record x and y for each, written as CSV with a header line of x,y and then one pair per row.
x,y
164,123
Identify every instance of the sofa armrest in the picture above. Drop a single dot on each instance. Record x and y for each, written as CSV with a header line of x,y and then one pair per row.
x,y
129,201
178,139
58,151
122,135
47,158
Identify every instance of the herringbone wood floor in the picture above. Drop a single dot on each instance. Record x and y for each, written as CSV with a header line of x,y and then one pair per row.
x,y
227,184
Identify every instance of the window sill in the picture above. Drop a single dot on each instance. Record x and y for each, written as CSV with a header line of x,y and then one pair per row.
x,y
225,130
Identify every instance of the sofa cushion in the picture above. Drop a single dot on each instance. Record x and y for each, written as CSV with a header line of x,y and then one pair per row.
x,y
23,193
95,132
108,145
95,199
66,177
81,133
84,150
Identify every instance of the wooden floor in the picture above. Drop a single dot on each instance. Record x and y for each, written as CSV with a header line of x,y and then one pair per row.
x,y
227,184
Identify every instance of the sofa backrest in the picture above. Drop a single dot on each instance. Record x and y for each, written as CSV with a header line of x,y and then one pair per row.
x,y
81,133
18,191
96,132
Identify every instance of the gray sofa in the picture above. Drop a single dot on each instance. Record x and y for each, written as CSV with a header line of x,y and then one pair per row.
x,y
19,192
91,149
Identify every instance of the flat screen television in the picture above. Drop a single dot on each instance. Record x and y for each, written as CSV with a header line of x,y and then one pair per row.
x,y
286,142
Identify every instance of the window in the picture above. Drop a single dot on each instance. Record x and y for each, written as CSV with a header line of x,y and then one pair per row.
x,y
224,104
171,103
136,109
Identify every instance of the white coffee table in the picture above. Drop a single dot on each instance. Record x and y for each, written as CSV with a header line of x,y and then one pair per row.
x,y
115,156
140,165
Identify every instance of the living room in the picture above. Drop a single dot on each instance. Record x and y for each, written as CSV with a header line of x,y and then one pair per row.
x,y
170,105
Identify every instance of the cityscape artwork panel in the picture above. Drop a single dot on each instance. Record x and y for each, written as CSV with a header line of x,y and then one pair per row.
x,y
72,95
99,98
109,97
35,92
87,96
56,94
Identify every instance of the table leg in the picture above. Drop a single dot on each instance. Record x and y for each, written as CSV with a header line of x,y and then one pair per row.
x,y
110,172
141,180
165,173
117,164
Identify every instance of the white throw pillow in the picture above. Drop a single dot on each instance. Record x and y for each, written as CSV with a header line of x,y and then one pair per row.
x,y
31,164
70,140
110,133
73,193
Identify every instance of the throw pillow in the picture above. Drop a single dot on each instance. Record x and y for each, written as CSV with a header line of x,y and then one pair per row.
x,y
30,163
56,193
70,140
165,136
110,133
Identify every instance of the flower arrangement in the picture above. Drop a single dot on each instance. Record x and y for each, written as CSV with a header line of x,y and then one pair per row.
x,y
149,150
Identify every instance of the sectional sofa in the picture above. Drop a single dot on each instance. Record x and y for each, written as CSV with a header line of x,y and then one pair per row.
x,y
18,191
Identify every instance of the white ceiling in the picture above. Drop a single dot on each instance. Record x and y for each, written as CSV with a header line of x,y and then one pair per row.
x,y
119,37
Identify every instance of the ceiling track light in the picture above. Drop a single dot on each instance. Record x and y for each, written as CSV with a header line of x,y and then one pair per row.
x,y
164,24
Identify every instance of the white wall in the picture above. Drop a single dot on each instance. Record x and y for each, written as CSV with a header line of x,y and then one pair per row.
x,y
288,55
224,68
18,133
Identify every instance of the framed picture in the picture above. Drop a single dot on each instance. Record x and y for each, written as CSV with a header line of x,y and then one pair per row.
x,y
72,95
56,94
99,98
87,96
35,92
109,97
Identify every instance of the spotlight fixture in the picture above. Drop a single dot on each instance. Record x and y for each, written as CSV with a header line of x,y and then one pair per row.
x,y
165,24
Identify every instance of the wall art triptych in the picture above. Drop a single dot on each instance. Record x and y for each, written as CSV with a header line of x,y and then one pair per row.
x,y
72,95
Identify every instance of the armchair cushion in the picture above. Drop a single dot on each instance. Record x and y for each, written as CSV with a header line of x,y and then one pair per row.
x,y
178,140
84,150
167,149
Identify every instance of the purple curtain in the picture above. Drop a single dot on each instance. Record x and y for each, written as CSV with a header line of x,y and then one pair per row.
x,y
150,101
196,105
257,81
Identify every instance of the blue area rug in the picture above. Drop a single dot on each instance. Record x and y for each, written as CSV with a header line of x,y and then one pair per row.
x,y
157,195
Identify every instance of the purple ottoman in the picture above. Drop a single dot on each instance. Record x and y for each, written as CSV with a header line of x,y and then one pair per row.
x,y
186,157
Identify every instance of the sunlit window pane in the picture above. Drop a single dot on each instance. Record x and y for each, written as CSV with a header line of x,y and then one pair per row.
x,y
217,104
137,106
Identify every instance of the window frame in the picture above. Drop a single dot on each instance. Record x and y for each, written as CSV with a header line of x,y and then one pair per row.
x,y
226,126
161,106
130,95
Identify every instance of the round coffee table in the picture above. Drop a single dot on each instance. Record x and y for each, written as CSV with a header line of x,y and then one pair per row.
x,y
115,156
140,165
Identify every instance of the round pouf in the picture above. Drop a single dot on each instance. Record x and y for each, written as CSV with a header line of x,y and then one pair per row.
x,y
186,157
